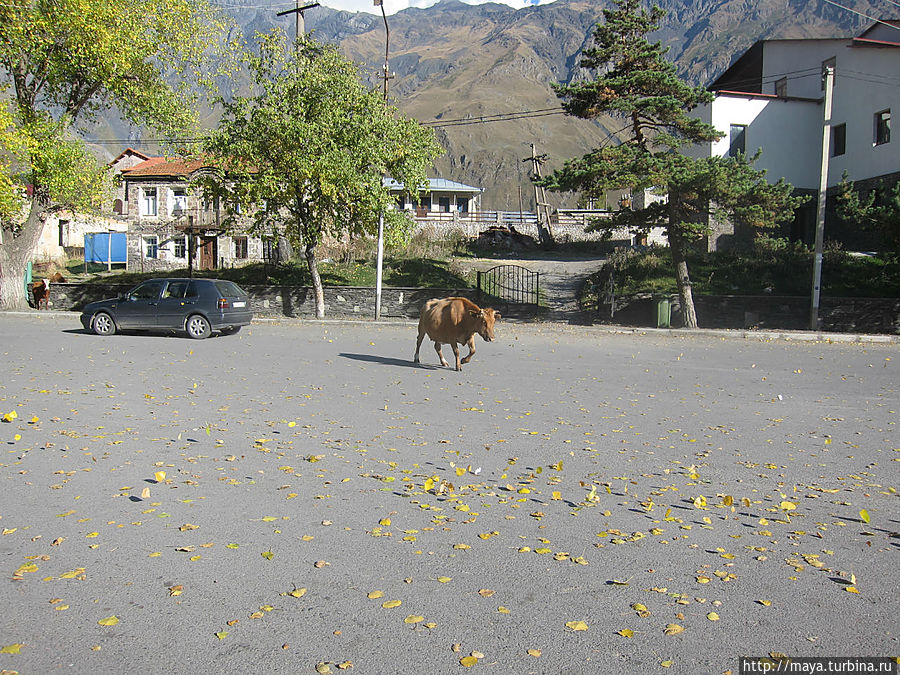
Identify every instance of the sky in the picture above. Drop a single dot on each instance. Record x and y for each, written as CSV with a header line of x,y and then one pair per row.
x,y
393,6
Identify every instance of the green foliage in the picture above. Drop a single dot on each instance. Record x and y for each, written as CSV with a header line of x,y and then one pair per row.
x,y
634,82
313,144
879,210
398,272
63,61
773,266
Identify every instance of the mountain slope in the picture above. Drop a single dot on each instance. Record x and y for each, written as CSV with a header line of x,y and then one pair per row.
x,y
455,63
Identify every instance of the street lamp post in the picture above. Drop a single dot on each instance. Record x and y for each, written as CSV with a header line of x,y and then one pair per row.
x,y
380,247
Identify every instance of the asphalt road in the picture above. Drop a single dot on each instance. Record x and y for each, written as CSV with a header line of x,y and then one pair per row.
x,y
571,492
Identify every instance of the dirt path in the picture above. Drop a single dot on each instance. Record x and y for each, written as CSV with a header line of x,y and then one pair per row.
x,y
560,280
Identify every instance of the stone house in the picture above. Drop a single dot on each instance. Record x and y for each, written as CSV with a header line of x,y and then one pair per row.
x,y
171,225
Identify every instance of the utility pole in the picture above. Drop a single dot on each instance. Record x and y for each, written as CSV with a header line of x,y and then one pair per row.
x,y
541,206
828,77
380,245
298,12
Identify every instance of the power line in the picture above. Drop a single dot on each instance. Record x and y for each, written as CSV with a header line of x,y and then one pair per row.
x,y
866,16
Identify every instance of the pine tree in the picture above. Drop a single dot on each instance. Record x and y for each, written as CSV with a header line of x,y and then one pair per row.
x,y
633,81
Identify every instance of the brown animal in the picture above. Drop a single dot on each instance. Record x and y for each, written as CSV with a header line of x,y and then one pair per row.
x,y
40,290
455,321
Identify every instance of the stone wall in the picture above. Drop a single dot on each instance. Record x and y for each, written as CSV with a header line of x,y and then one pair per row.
x,y
287,301
765,312
845,315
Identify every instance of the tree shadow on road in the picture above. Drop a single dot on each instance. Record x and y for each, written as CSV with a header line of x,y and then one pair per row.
x,y
388,361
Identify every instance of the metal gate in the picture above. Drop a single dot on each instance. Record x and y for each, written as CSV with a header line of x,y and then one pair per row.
x,y
511,283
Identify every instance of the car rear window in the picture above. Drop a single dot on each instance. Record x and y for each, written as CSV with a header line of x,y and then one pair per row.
x,y
229,289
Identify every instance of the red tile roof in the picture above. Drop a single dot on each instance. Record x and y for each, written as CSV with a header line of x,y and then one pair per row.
x,y
164,166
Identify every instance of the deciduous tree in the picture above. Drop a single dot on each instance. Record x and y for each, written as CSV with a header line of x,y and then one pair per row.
x,y
307,149
61,63
632,80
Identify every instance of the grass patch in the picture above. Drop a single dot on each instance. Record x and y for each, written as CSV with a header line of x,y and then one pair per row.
x,y
773,267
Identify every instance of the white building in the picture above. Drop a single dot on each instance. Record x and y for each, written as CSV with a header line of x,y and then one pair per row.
x,y
771,99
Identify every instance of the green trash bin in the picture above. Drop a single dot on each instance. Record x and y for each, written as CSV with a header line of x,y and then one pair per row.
x,y
662,311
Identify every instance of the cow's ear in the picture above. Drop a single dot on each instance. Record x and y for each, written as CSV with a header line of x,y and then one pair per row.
x,y
477,314
496,315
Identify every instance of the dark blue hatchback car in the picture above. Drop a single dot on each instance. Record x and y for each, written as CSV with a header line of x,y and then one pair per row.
x,y
198,307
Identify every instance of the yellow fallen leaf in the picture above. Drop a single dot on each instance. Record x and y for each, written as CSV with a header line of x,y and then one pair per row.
x,y
668,663
222,634
788,506
864,515
374,595
160,476
385,522
390,604
444,580
712,616
851,589
626,632
413,618
12,649
765,603
468,661
534,652
503,610
673,629
576,625
297,592
176,590
323,668
268,555
109,621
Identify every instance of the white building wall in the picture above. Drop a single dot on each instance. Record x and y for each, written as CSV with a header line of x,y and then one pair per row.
x,y
789,131
867,81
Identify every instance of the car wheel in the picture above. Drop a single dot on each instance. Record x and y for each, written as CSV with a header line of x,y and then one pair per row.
x,y
231,330
198,327
103,324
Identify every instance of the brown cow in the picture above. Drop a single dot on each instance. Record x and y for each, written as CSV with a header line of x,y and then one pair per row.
x,y
40,290
455,321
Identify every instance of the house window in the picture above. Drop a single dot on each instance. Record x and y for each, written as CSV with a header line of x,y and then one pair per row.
x,y
462,204
240,248
882,127
63,232
148,201
838,140
151,246
270,250
781,87
178,205
737,140
180,247
444,204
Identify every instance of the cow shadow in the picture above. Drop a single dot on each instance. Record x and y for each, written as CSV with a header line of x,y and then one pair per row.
x,y
389,361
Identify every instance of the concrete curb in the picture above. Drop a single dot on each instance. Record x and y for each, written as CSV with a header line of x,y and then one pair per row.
x,y
731,334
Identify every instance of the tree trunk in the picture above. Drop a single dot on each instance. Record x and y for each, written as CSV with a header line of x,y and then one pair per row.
x,y
683,280
316,280
15,252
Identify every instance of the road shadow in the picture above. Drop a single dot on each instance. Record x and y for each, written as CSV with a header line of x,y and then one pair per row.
x,y
388,361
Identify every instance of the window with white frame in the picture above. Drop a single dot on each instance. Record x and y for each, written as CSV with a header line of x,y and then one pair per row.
x,y
151,246
179,247
178,203
883,127
148,201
